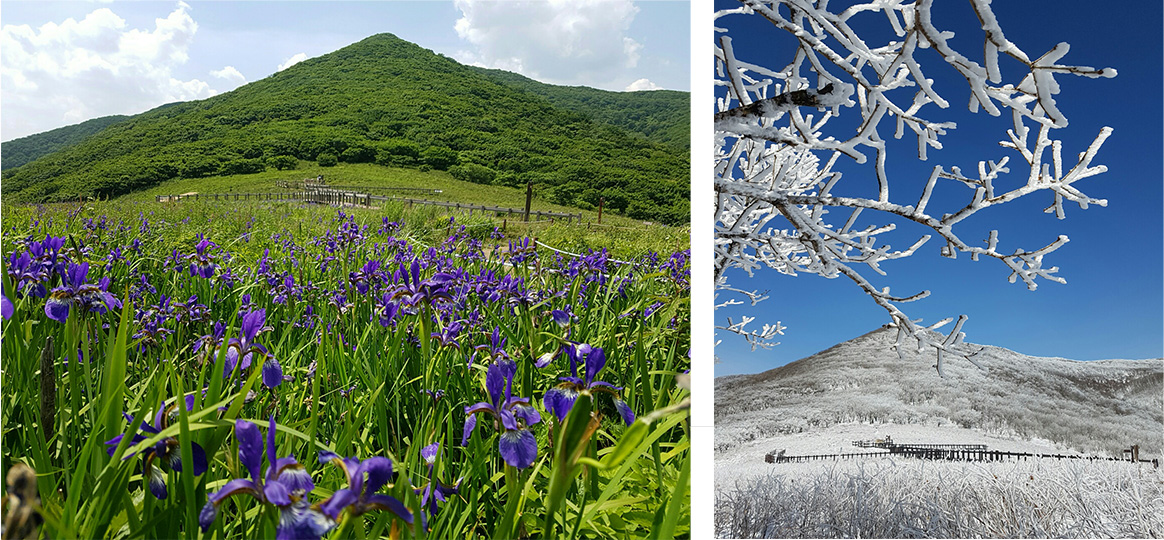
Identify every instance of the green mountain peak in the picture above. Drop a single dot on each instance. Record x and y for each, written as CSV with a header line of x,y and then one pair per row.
x,y
391,102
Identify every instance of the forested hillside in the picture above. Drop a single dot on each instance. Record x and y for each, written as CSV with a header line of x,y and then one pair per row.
x,y
17,152
663,116
385,100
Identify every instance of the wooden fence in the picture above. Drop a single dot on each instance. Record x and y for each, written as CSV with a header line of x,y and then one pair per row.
x,y
337,197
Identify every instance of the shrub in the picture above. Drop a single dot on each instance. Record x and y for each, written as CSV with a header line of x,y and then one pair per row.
x,y
439,157
472,172
282,163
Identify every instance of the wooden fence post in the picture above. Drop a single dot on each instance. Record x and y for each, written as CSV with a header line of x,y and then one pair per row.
x,y
528,198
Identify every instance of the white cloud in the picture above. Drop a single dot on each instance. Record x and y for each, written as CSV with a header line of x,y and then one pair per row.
x,y
561,41
76,70
642,84
292,61
229,74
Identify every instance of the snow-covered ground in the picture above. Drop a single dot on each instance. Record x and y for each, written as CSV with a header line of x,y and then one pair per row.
x,y
909,498
746,462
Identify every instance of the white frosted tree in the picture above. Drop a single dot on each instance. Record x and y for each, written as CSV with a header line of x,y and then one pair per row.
x,y
782,129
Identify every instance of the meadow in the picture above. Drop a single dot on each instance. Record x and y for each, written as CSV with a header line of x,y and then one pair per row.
x,y
366,175
277,370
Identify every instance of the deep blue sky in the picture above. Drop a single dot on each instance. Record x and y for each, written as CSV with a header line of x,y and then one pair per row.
x,y
1112,304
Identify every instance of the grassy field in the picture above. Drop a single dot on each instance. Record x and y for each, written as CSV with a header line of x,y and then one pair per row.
x,y
368,175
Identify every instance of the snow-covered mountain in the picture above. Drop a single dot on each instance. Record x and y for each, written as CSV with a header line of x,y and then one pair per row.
x,y
1095,407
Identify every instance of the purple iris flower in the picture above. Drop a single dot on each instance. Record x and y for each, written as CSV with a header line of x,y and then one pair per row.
x,y
387,309
448,335
365,478
433,491
389,227
522,251
165,451
240,352
87,296
495,349
48,254
561,317
285,290
560,400
517,444
366,276
429,291
201,262
28,276
285,485
196,312
151,333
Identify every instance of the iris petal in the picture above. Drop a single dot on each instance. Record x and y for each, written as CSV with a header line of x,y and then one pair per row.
x,y
379,471
252,323
199,456
495,382
527,413
293,475
429,453
559,401
237,486
625,411
314,524
57,308
207,515
335,504
508,421
277,493
250,446
389,503
595,361
518,448
470,425
157,480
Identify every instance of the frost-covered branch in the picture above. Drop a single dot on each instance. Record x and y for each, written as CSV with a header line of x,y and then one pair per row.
x,y
780,203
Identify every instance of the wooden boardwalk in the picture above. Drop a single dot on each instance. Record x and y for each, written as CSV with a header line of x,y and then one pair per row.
x,y
947,452
303,185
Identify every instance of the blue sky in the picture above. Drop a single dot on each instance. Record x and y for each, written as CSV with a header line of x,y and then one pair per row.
x,y
1111,305
66,62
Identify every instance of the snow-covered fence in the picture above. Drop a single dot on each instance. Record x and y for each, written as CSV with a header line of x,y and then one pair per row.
x,y
949,452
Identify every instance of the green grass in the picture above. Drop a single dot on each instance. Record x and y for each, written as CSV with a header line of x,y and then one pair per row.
x,y
357,385
622,236
369,175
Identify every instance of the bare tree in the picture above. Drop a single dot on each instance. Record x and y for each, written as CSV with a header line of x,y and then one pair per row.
x,y
780,202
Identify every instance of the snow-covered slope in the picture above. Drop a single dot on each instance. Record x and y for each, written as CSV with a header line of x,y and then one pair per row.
x,y
1097,407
